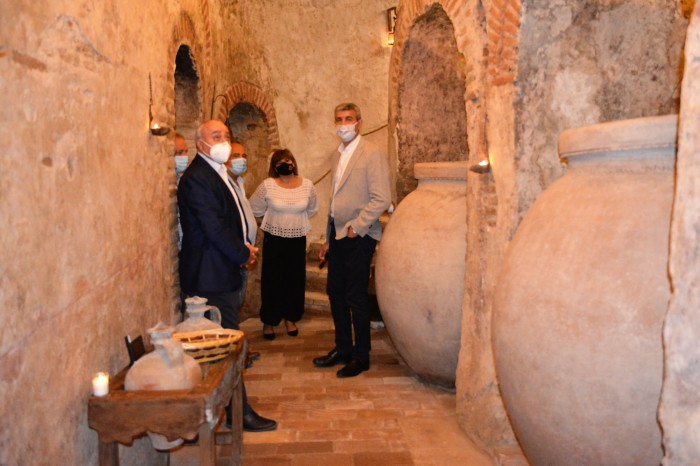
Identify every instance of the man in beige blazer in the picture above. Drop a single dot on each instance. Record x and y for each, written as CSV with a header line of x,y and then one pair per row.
x,y
360,193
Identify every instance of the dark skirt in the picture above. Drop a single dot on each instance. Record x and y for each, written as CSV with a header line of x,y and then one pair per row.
x,y
283,279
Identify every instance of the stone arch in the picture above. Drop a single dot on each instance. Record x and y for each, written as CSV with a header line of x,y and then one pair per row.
x,y
479,407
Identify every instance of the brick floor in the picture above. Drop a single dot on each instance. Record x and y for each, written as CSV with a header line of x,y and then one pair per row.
x,y
383,417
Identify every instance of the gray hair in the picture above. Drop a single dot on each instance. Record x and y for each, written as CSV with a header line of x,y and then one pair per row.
x,y
349,106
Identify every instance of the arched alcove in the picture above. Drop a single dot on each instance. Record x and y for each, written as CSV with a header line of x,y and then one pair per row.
x,y
248,125
187,102
431,111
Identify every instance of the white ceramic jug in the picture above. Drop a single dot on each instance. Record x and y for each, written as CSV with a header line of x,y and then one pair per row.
x,y
196,308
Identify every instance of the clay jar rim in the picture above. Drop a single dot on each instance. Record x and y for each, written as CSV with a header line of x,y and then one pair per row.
x,y
441,170
657,133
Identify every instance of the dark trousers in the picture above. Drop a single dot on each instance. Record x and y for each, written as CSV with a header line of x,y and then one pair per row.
x,y
229,304
349,263
283,279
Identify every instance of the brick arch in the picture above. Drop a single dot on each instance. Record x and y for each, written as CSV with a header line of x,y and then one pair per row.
x,y
208,41
246,92
503,26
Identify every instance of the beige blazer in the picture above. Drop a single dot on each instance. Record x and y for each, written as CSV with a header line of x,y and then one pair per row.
x,y
363,193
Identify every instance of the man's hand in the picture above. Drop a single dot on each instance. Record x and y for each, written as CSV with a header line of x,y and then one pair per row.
x,y
322,255
253,256
351,233
322,252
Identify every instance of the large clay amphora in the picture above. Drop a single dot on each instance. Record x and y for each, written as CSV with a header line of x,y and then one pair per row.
x,y
580,303
196,307
420,271
166,368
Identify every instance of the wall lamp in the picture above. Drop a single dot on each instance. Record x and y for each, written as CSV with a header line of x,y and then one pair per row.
x,y
390,25
482,167
156,129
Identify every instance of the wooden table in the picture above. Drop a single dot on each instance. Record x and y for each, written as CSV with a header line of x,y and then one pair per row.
x,y
121,416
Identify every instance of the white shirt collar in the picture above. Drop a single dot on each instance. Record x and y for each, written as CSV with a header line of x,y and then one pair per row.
x,y
350,148
215,165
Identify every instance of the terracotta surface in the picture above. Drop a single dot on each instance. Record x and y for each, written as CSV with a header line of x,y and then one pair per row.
x,y
420,271
581,300
386,416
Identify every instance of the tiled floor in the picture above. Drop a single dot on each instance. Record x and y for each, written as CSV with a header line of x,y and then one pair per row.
x,y
382,417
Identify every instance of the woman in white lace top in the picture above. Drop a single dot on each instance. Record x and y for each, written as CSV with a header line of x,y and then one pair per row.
x,y
287,201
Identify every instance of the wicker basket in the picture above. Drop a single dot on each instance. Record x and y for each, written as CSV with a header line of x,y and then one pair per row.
x,y
209,345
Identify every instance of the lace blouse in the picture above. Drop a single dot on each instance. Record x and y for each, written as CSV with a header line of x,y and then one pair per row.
x,y
286,211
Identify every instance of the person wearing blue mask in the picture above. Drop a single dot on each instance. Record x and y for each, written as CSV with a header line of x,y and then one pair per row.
x,y
181,158
237,165
360,193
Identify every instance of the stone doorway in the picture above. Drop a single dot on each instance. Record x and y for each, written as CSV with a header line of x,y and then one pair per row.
x,y
431,112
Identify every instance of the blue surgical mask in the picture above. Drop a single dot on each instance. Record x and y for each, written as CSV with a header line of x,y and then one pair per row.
x,y
180,163
346,132
238,166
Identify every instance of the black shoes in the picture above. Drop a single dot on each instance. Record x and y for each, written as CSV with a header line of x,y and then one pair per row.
x,y
268,336
331,359
291,333
252,356
353,368
253,422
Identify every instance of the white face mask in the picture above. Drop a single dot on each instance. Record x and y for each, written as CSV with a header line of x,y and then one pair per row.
x,y
219,152
346,132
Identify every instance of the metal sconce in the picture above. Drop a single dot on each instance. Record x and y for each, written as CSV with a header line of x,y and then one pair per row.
x,y
482,167
390,25
156,129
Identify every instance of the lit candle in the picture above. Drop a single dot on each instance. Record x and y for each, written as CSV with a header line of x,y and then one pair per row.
x,y
100,384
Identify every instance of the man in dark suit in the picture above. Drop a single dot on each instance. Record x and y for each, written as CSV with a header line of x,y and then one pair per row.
x,y
360,193
215,241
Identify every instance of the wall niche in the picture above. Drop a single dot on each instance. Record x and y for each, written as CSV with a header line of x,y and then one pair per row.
x,y
431,112
187,102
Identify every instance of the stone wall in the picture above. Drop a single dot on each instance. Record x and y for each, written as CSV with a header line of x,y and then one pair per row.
x,y
680,398
87,255
531,70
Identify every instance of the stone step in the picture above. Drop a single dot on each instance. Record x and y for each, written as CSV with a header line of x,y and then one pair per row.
x,y
316,278
317,303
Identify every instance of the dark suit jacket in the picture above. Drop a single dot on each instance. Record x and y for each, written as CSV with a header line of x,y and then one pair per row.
x,y
212,235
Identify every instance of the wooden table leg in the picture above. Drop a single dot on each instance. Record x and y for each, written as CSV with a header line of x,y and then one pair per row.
x,y
237,426
207,446
108,453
